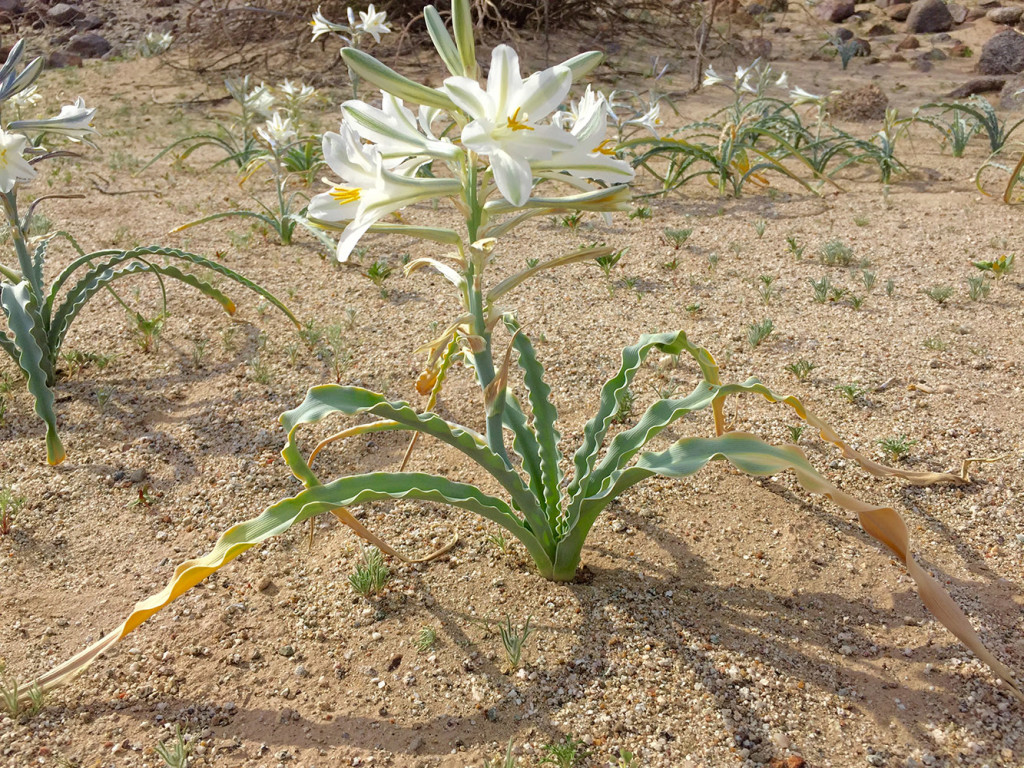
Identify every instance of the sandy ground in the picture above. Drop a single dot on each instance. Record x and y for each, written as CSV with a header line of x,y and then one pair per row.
x,y
719,621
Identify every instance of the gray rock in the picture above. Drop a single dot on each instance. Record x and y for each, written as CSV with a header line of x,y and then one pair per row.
x,y
89,45
958,12
929,16
64,13
1003,54
1009,15
1012,95
977,85
842,34
61,59
834,11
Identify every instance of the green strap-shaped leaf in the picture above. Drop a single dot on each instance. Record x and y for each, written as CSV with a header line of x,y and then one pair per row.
x,y
597,427
100,277
465,39
277,519
7,345
545,416
115,257
524,443
756,457
327,399
23,319
385,78
628,443
443,42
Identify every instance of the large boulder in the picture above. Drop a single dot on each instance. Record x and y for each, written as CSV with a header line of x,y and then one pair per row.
x,y
1009,15
1003,54
1012,95
927,16
835,11
88,45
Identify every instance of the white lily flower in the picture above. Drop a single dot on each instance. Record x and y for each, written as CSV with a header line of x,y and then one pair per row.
x,y
373,22
155,43
395,129
651,120
259,100
783,81
277,131
321,25
712,78
506,119
13,166
800,96
26,98
368,192
593,156
74,121
296,93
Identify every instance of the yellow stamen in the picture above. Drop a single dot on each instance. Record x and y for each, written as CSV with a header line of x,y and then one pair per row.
x,y
515,124
345,195
607,147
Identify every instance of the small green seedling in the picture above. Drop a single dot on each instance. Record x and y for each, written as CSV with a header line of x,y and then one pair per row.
x,y
608,262
836,253
795,432
852,392
10,508
425,639
568,753
794,246
370,575
822,288
175,753
868,278
758,332
978,287
513,639
509,761
677,237
940,294
760,225
801,368
377,273
642,212
857,301
935,345
767,288
890,287
895,448
572,220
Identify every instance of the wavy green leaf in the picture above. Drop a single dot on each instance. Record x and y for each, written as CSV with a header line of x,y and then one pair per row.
x,y
23,320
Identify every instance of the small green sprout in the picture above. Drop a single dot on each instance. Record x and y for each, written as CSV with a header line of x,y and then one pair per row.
x,y
175,753
857,301
868,278
896,447
978,287
940,294
890,287
642,212
377,273
801,368
425,639
767,288
567,753
794,246
712,259
935,345
760,225
608,261
677,237
625,400
513,639
835,253
852,392
671,264
794,433
370,575
822,288
694,309
572,220
758,332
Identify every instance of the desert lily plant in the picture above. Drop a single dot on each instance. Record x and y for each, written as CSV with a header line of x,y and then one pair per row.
x,y
287,157
39,315
233,133
748,139
371,22
501,157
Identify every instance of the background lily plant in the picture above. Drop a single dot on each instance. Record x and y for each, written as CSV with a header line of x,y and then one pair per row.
x,y
39,315
501,158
